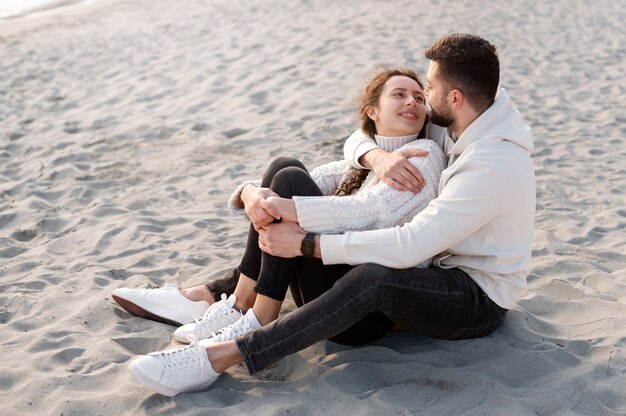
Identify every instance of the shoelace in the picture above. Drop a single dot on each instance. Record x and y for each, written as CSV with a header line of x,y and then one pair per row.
x,y
219,309
185,357
233,331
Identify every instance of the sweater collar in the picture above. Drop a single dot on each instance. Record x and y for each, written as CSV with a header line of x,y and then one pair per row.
x,y
390,144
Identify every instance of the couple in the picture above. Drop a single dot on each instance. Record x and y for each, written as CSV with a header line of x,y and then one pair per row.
x,y
477,231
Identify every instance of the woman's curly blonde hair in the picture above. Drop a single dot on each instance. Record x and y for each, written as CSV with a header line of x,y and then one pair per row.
x,y
369,99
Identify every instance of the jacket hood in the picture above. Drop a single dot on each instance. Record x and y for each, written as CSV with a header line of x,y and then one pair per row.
x,y
502,121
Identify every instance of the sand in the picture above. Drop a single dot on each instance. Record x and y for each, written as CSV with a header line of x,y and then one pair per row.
x,y
124,127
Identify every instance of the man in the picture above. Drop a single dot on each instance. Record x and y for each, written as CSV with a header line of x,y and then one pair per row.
x,y
479,229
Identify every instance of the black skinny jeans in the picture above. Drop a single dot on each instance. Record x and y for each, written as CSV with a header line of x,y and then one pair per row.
x,y
307,278
435,302
352,305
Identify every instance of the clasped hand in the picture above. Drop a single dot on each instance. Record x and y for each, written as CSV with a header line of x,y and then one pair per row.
x,y
260,211
281,240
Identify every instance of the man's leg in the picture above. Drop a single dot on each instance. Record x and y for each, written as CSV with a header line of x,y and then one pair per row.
x,y
439,303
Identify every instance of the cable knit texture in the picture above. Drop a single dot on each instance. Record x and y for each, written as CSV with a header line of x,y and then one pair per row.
x,y
375,205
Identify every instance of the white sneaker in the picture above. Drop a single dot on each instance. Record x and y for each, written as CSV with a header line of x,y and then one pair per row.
x,y
176,371
245,324
164,304
218,316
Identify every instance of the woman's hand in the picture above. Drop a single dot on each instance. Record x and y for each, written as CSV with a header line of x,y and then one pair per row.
x,y
260,211
281,240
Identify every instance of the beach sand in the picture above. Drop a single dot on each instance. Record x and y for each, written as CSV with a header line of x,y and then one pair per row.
x,y
125,126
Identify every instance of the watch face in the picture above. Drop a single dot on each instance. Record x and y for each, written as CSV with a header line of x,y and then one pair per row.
x,y
308,245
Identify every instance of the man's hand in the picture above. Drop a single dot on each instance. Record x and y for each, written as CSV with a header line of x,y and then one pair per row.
x,y
281,240
260,211
395,170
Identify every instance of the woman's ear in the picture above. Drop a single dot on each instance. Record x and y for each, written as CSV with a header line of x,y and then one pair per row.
x,y
372,113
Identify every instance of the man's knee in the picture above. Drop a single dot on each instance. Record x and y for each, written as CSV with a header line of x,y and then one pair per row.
x,y
367,277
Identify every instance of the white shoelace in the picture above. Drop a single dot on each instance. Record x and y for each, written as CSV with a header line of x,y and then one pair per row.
x,y
218,309
186,357
233,331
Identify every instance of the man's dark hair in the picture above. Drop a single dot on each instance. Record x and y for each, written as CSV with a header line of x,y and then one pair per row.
x,y
470,64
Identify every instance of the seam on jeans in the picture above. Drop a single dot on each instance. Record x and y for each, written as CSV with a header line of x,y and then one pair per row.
x,y
495,322
302,330
247,359
268,293
248,274
351,301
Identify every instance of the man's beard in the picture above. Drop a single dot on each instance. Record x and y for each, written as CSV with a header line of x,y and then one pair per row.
x,y
441,116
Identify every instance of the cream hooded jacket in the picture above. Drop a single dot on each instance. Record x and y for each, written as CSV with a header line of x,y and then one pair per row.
x,y
482,221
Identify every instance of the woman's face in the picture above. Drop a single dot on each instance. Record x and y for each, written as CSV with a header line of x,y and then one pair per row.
x,y
400,110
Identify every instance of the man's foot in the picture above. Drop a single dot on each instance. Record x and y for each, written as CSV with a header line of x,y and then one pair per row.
x,y
177,371
245,324
165,304
219,315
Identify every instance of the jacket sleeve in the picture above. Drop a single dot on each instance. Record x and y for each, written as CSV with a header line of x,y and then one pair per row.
x,y
356,146
468,201
376,205
234,202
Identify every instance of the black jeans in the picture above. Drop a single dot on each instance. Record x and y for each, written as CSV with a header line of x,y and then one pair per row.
x,y
307,278
435,302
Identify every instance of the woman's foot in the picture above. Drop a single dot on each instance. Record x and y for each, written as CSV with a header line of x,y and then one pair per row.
x,y
166,304
198,294
219,315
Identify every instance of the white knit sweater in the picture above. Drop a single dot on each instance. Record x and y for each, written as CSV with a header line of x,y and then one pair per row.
x,y
375,205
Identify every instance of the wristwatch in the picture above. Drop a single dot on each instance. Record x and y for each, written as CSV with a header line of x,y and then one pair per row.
x,y
308,245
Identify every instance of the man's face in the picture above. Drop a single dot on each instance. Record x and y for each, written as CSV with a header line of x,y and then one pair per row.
x,y
436,93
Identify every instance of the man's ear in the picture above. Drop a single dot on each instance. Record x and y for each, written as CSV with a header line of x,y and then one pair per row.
x,y
455,98
372,113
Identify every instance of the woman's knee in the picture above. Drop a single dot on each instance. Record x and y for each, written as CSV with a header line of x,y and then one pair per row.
x,y
276,166
292,181
283,162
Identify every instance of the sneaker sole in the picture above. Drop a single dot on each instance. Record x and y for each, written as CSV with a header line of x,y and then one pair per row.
x,y
141,312
159,388
151,384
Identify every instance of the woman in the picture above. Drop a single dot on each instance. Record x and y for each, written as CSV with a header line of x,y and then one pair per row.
x,y
337,199
391,110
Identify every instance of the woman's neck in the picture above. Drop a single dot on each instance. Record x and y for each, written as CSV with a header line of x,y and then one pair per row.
x,y
391,143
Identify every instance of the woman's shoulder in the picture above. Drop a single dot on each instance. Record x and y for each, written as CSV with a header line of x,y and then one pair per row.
x,y
422,144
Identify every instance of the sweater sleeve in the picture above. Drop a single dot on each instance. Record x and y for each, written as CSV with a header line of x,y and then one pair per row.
x,y
469,200
234,202
356,146
375,205
328,176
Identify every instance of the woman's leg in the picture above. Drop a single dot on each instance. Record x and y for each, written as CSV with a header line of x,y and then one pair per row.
x,y
439,303
277,273
250,264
